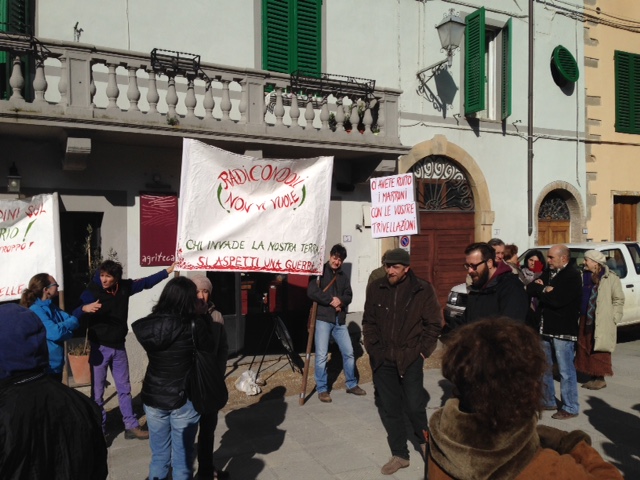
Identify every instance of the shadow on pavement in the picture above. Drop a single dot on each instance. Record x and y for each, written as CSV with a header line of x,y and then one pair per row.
x,y
622,429
252,430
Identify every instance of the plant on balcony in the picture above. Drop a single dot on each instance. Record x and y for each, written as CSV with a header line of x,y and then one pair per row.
x,y
362,107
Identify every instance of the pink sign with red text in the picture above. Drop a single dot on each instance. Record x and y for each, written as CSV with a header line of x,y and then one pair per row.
x,y
246,214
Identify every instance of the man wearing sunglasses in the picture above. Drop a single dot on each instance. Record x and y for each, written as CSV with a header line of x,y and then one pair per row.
x,y
494,289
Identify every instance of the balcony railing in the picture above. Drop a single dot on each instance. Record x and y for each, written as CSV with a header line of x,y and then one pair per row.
x,y
102,86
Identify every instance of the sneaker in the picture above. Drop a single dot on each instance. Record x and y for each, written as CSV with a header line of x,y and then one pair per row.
x,y
137,432
356,391
393,465
324,397
563,415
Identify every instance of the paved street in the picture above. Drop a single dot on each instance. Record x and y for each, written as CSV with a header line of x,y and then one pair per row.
x,y
278,439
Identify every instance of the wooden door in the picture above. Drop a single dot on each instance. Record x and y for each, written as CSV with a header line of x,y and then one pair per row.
x,y
625,218
437,252
553,232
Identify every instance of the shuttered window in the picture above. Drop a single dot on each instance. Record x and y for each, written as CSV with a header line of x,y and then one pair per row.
x,y
627,76
15,17
474,72
505,96
291,36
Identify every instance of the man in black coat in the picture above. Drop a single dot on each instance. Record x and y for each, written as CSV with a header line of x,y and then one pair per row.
x,y
559,293
47,430
401,323
494,291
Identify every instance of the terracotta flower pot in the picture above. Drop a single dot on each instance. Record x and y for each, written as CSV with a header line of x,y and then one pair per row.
x,y
80,369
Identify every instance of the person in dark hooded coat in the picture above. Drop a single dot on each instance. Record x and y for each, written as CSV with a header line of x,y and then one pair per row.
x,y
47,430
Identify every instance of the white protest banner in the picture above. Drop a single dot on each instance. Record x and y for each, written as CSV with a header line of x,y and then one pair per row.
x,y
29,243
246,214
393,208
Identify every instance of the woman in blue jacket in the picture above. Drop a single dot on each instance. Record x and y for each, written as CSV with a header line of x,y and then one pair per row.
x,y
58,323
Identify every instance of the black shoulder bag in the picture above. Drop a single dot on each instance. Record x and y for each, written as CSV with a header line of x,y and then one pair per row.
x,y
205,382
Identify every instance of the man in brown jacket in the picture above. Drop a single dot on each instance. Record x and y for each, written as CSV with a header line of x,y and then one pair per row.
x,y
401,323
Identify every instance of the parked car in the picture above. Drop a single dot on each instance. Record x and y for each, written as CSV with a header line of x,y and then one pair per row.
x,y
623,258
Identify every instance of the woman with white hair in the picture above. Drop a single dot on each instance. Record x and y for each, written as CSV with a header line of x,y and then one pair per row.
x,y
208,422
602,302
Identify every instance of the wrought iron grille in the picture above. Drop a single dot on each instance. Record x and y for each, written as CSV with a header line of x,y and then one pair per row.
x,y
441,185
554,207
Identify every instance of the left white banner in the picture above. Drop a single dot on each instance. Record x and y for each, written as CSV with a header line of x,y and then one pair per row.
x,y
29,243
246,214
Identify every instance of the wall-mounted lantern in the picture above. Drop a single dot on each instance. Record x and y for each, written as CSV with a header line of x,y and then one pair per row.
x,y
451,31
13,179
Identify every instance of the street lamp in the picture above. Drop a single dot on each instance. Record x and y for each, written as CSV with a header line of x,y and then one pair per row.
x,y
451,31
13,179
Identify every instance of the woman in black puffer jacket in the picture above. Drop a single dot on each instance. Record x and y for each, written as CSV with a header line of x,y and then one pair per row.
x,y
166,337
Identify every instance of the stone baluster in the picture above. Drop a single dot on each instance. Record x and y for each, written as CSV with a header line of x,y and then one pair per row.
x,y
153,97
190,100
63,84
339,115
112,88
368,118
172,100
309,113
324,114
355,116
294,112
133,92
244,101
209,102
381,119
278,110
39,83
16,81
92,87
225,102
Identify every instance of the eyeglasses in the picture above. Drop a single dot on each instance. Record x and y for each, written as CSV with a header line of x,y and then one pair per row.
x,y
473,266
52,285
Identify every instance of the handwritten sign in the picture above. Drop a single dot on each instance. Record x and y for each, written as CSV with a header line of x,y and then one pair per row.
x,y
240,213
393,207
29,243
158,227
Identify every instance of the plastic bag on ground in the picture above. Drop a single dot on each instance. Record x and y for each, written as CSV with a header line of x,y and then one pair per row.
x,y
247,383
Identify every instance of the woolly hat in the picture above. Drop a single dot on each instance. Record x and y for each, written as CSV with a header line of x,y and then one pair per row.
x,y
23,341
596,256
397,256
202,282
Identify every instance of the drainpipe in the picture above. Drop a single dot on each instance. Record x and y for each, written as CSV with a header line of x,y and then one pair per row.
x,y
530,125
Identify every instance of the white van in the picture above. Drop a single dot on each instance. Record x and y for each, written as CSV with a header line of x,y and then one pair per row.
x,y
623,258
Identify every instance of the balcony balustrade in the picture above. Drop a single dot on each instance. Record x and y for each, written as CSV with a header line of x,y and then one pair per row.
x,y
107,88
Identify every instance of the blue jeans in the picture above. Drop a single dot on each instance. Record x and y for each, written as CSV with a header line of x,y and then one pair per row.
x,y
565,352
172,434
341,336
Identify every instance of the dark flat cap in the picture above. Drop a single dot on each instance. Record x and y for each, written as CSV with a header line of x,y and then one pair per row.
x,y
397,256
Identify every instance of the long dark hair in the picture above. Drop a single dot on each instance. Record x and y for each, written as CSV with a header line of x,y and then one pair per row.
x,y
179,297
535,253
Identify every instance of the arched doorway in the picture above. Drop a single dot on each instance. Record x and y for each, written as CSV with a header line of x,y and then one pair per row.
x,y
554,220
447,211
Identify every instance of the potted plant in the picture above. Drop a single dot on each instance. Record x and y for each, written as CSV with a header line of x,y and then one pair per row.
x,y
78,358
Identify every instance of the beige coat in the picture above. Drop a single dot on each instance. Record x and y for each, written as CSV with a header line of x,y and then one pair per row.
x,y
608,312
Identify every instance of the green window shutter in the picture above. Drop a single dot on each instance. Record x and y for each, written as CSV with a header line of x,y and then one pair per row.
x,y
307,58
627,78
506,71
4,19
474,71
276,34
